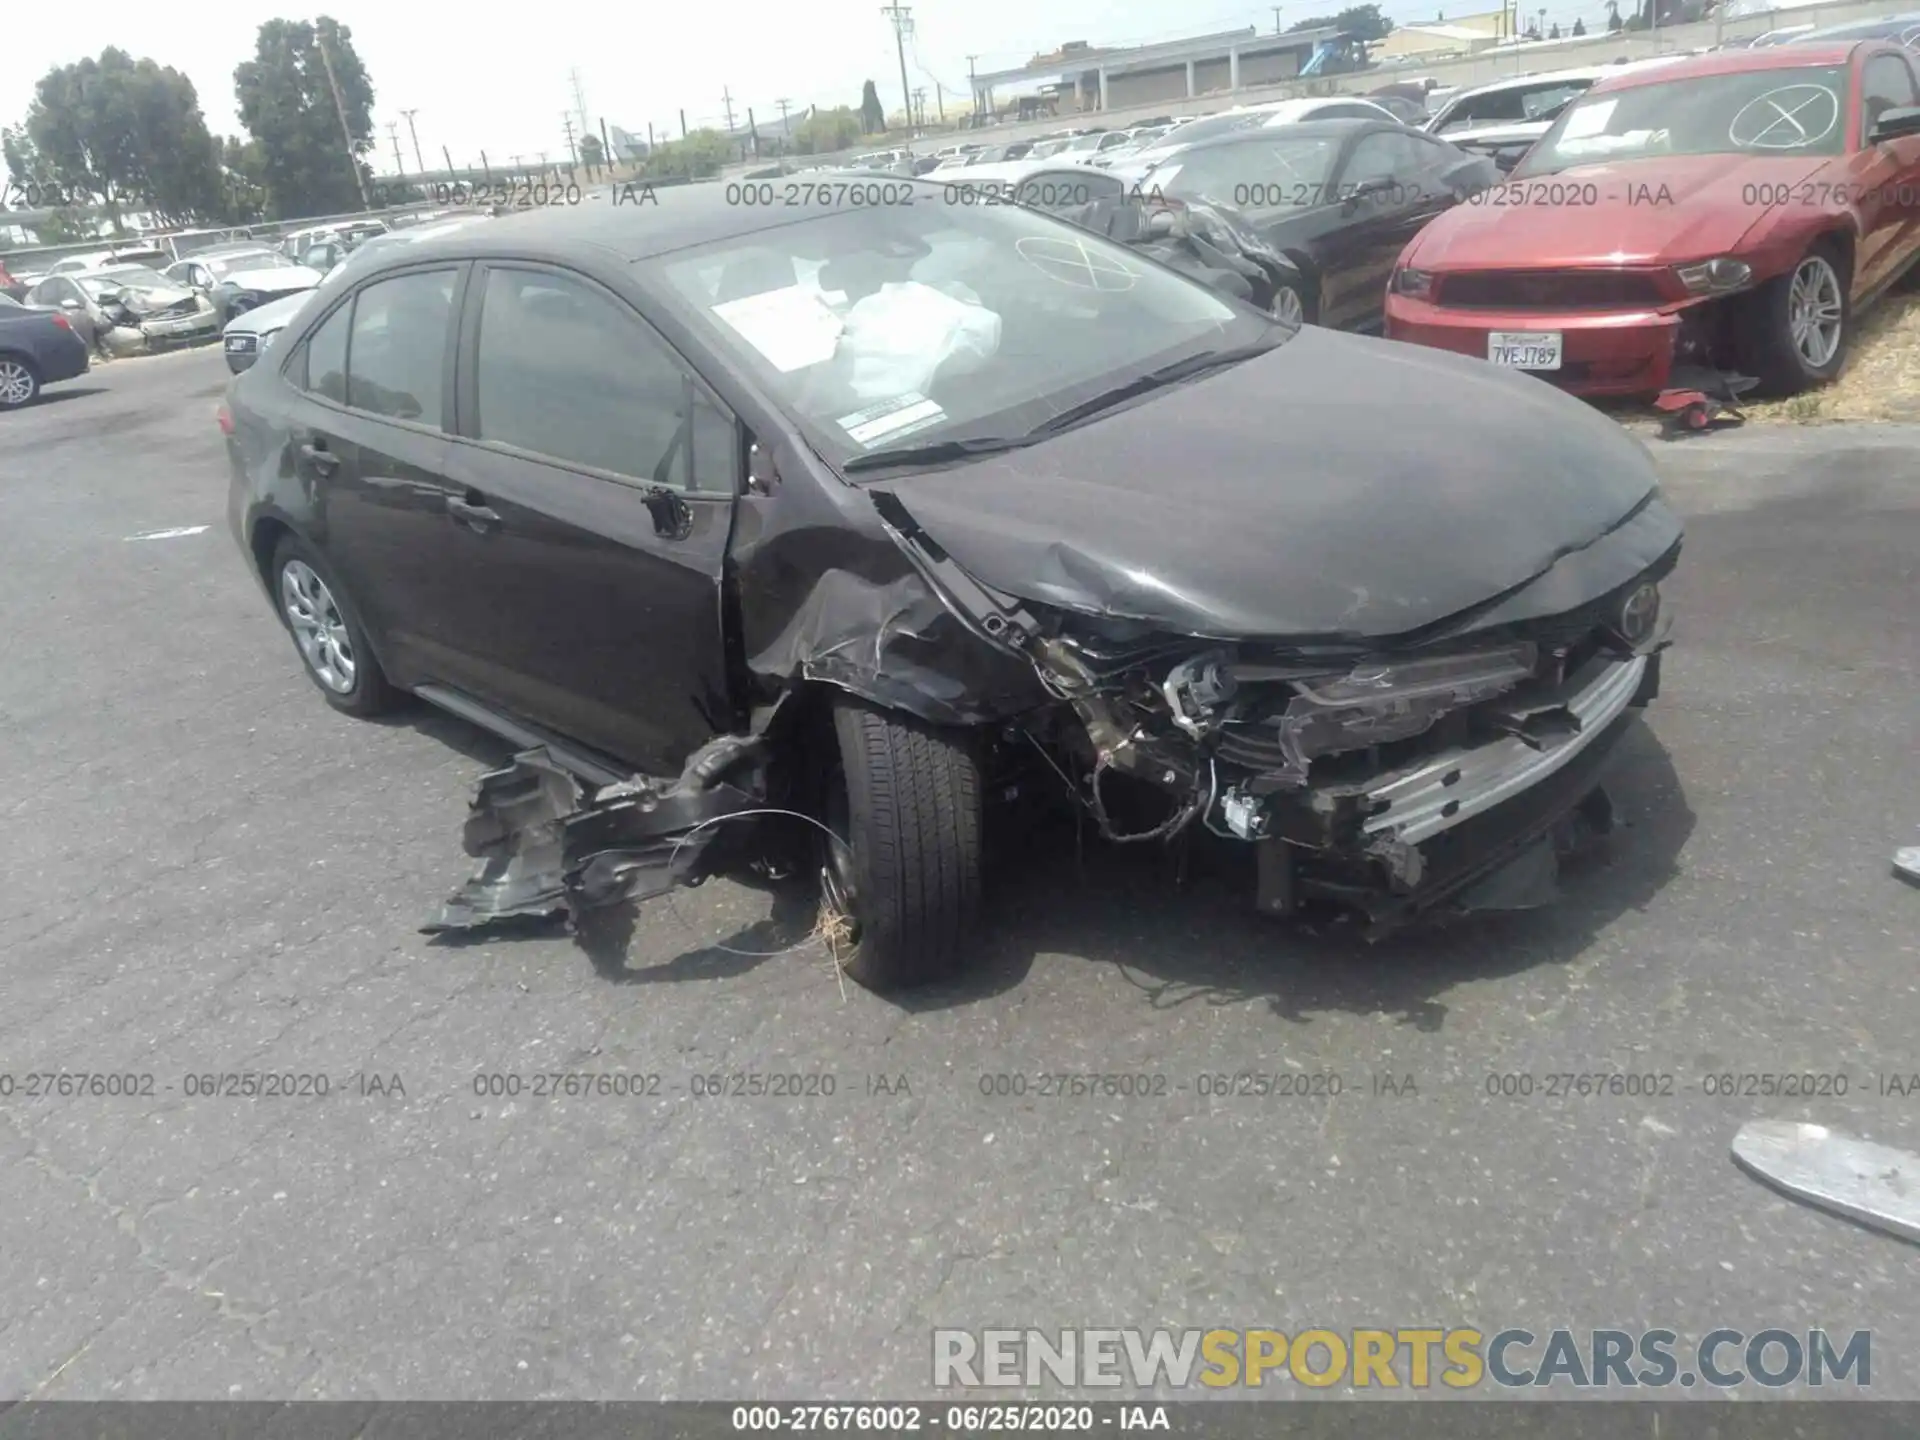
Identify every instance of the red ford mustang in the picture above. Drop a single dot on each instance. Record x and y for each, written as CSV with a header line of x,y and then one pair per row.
x,y
1736,209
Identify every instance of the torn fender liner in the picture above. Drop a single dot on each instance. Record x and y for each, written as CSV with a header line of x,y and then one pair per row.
x,y
547,849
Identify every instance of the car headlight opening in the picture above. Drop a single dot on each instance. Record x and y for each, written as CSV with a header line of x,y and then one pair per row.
x,y
1417,283
1639,619
1716,276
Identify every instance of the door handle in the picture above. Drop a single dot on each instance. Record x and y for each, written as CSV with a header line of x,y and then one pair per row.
x,y
318,456
473,512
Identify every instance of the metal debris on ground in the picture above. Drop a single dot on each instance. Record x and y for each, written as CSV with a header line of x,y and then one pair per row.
x,y
1906,863
1698,400
1875,1185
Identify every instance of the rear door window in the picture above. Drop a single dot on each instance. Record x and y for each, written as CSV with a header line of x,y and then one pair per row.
x,y
326,356
396,358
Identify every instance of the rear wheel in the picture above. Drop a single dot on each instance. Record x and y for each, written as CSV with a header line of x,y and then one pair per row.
x,y
1799,324
19,382
327,632
904,891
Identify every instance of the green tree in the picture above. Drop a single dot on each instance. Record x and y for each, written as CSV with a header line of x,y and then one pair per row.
x,y
286,105
873,116
1363,21
124,131
825,132
702,153
243,171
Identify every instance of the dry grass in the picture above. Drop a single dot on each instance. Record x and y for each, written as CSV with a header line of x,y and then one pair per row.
x,y
1881,381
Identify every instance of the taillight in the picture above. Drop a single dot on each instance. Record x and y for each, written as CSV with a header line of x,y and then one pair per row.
x,y
224,418
63,322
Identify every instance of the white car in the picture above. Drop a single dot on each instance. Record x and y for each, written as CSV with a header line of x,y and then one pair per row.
x,y
1524,107
239,277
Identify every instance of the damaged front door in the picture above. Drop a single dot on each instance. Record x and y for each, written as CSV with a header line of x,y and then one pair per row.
x,y
591,492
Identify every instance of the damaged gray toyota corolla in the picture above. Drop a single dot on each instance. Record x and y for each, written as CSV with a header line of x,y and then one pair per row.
x,y
885,507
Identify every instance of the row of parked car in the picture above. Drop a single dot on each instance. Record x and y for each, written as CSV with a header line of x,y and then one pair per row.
x,y
1731,211
145,297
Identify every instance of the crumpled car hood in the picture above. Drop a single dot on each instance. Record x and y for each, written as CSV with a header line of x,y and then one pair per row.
x,y
1337,487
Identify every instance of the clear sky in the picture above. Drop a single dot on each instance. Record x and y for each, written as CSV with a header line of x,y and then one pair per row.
x,y
497,78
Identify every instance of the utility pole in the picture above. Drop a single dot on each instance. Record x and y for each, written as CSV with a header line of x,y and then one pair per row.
x,y
579,100
973,88
566,120
917,116
683,124
726,98
340,109
940,99
902,18
784,105
409,114
1276,18
393,134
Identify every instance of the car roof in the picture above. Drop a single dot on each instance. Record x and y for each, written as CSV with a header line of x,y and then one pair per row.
x,y
672,218
1801,54
1595,73
1889,25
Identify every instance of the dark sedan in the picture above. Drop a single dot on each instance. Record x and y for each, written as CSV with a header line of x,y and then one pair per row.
x,y
1339,198
871,514
37,348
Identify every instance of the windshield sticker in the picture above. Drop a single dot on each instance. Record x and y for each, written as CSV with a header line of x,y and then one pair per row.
x,y
889,419
1790,118
792,327
1589,120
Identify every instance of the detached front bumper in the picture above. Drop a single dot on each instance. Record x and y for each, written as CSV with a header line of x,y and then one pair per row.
x,y
1416,838
1603,353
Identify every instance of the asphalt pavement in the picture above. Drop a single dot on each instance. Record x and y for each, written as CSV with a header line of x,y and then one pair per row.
x,y
209,872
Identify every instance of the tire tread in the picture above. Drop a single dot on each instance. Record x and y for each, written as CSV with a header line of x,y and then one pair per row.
x,y
914,806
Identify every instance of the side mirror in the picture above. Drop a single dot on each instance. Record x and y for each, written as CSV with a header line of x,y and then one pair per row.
x,y
1895,125
1365,191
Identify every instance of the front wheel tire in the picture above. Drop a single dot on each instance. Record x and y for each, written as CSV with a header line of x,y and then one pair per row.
x,y
1799,324
905,888
327,632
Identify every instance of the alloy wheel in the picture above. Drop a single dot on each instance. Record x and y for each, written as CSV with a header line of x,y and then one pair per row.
x,y
17,384
1814,312
1287,306
319,629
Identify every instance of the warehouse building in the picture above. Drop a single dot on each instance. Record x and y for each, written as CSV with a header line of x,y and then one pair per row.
x,y
1079,77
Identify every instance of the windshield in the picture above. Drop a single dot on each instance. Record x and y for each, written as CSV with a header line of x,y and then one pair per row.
x,y
104,282
1211,126
1257,175
225,265
1797,111
940,322
1515,105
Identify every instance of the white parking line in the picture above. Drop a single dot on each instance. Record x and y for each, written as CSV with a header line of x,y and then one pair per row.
x,y
173,534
